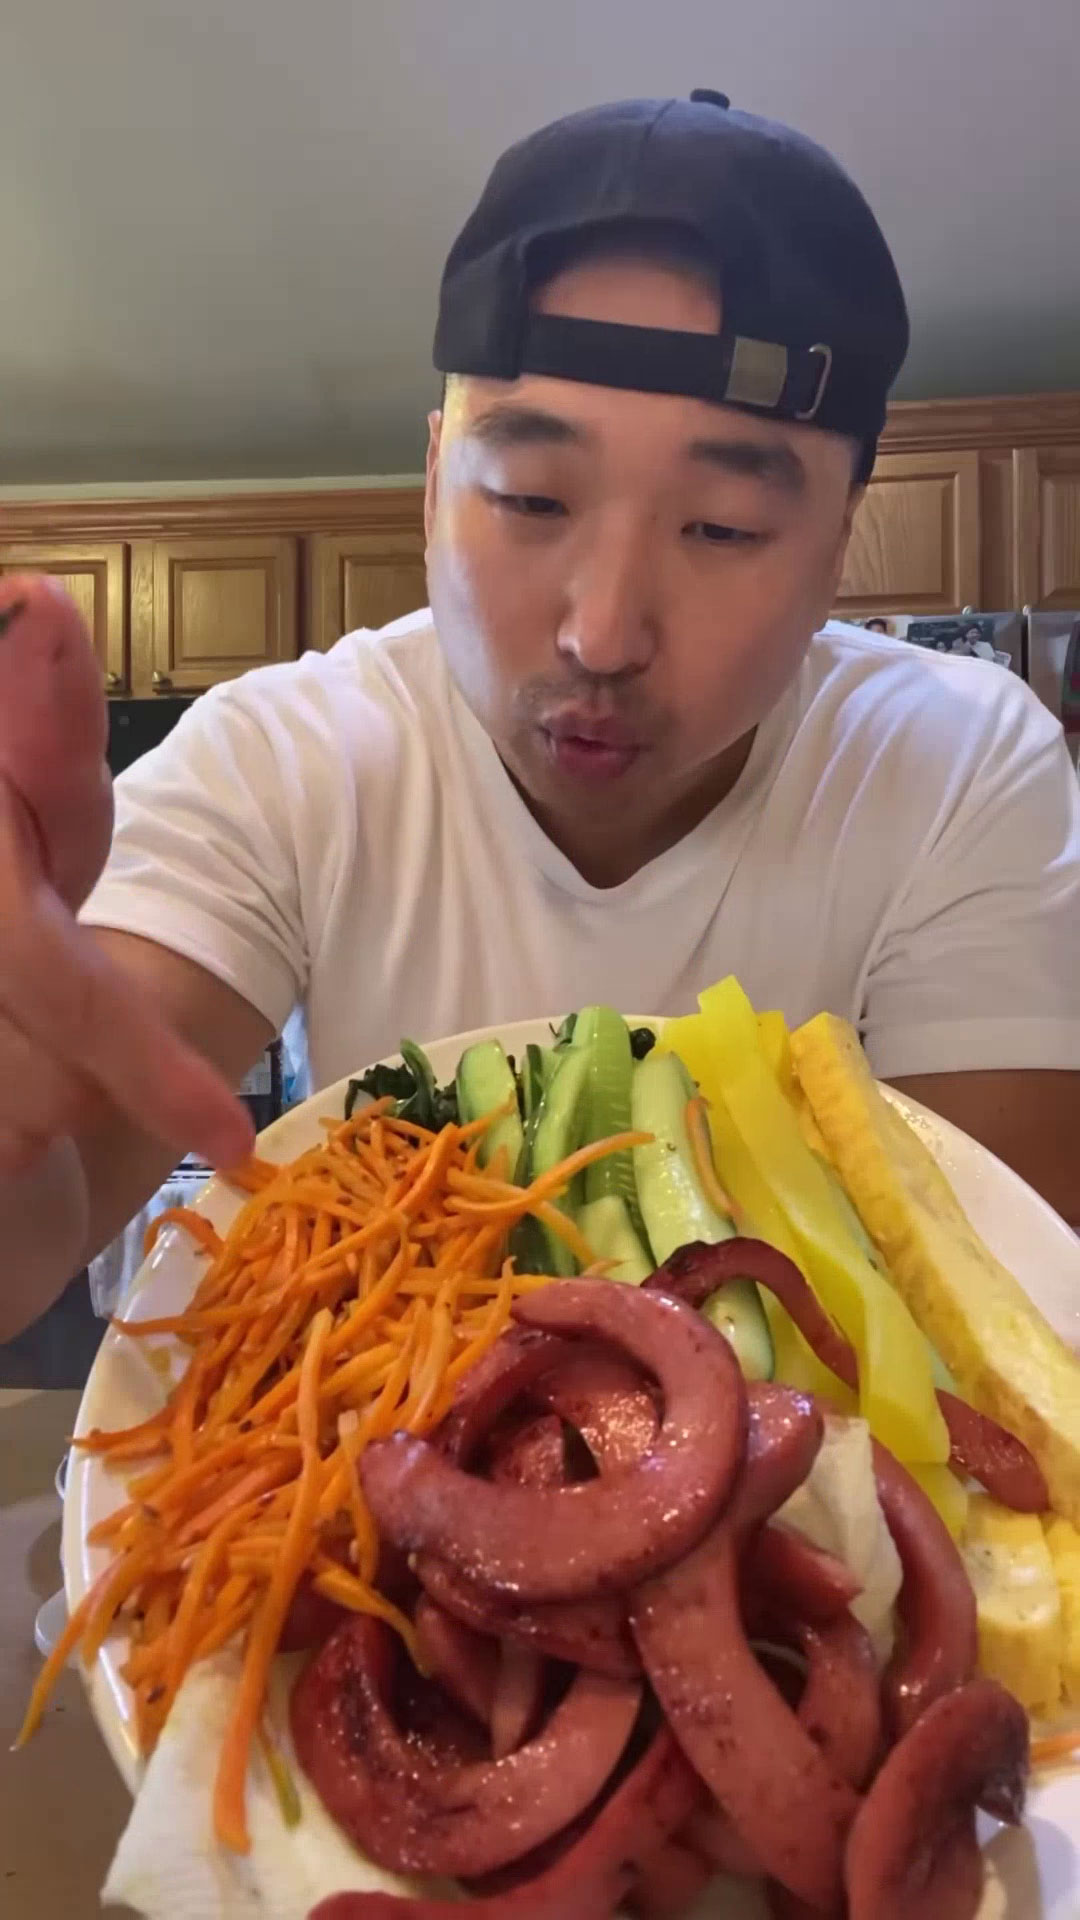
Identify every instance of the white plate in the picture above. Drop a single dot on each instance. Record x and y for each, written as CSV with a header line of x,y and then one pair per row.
x,y
1035,1874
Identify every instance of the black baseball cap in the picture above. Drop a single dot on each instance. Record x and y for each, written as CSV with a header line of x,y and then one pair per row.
x,y
814,325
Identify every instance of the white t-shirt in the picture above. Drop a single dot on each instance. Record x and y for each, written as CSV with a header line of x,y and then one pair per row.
x,y
902,848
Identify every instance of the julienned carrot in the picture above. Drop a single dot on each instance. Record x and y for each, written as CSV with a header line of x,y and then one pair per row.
x,y
202,1230
230,1788
356,1287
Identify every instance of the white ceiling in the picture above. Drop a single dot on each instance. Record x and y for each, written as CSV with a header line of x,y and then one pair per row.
x,y
222,221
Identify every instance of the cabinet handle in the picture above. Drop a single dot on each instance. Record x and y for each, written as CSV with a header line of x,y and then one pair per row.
x,y
160,682
112,681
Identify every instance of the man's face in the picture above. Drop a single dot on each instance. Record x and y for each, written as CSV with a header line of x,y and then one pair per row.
x,y
624,583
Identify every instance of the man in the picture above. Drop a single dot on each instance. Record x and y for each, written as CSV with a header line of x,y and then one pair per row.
x,y
611,763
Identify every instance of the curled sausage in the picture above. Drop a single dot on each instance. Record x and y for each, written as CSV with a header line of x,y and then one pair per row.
x,y
840,1706
1000,1462
697,1271
978,1446
518,1699
912,1853
530,1451
788,1804
464,1662
311,1619
514,1363
586,1633
606,1401
595,1537
412,1814
588,1879
936,1605
789,1575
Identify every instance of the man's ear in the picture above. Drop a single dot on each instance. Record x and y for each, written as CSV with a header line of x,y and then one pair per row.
x,y
431,472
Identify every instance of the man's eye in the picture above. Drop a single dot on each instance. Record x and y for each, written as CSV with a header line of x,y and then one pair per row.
x,y
714,535
531,506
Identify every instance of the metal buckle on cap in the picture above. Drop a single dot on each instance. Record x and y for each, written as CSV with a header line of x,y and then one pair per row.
x,y
757,375
826,354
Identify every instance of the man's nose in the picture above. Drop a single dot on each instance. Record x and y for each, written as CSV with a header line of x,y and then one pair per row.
x,y
608,624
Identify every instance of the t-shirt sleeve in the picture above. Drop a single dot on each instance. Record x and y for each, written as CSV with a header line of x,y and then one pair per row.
x,y
203,855
978,964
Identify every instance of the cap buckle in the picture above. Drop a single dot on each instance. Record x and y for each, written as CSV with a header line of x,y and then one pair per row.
x,y
826,356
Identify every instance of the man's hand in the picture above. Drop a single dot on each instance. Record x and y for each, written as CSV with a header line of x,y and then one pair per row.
x,y
77,1032
1031,1120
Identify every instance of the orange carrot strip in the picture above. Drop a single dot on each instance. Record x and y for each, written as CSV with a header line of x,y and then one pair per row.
x,y
202,1230
230,1815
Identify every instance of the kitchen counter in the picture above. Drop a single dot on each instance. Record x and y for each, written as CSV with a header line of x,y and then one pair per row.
x,y
62,1803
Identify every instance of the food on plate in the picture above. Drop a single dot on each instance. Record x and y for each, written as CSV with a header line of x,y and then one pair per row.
x,y
356,1288
1018,1603
1006,1360
568,1418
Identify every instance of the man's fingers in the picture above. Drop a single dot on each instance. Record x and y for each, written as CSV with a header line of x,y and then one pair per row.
x,y
54,729
66,996
36,1095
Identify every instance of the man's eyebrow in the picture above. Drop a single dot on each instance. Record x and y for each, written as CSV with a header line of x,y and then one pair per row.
x,y
777,466
513,426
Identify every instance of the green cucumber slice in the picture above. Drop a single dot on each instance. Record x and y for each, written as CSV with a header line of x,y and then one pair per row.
x,y
557,1129
611,1234
485,1080
677,1212
607,1037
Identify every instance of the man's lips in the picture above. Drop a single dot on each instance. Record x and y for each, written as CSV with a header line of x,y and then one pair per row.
x,y
591,747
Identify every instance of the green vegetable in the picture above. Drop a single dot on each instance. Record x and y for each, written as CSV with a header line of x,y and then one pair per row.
x,y
412,1088
485,1081
611,1234
556,1130
673,1206
606,1037
677,1212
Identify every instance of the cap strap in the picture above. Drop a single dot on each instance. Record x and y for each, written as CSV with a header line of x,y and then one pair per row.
x,y
790,383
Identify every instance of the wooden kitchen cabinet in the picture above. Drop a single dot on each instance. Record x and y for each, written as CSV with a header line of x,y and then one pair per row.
x,y
206,609
915,543
95,575
1047,525
363,578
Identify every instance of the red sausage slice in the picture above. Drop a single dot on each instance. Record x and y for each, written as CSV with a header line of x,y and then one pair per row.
x,y
465,1663
936,1603
604,1535
841,1701
413,1815
514,1363
788,1804
912,1852
587,1881
518,1700
530,1451
789,1575
586,1633
979,1447
695,1272
608,1403
994,1457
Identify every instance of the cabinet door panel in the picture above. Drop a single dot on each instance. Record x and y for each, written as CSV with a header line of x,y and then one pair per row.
x,y
1048,525
915,543
219,607
363,579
